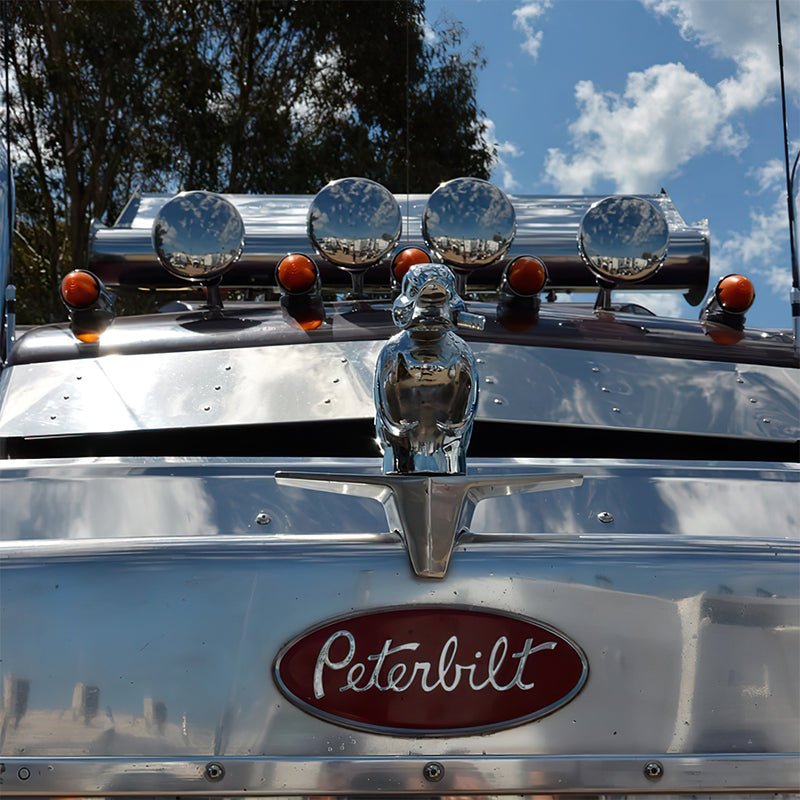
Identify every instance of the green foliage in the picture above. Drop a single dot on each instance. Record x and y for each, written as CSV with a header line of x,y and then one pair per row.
x,y
277,96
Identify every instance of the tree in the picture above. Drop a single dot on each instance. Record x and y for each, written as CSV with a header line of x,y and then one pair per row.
x,y
231,96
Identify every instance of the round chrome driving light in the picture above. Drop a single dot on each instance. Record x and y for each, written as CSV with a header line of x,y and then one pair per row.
x,y
354,222
623,239
469,223
197,236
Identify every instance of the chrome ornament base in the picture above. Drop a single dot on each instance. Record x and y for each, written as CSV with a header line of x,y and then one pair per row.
x,y
427,511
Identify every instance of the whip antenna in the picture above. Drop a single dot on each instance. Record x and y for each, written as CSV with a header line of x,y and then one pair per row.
x,y
7,316
790,174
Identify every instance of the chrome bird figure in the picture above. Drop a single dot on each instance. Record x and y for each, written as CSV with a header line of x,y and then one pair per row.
x,y
426,384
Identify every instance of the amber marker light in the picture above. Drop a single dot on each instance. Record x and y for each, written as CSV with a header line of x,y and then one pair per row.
x,y
405,259
80,289
735,293
526,275
296,273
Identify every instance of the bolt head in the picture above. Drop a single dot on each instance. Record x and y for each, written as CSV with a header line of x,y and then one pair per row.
x,y
214,771
605,516
433,771
653,770
263,518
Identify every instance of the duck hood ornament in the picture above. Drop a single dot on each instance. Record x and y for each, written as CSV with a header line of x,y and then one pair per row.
x,y
426,395
426,384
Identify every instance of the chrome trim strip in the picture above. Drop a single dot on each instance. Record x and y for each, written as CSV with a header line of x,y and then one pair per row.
x,y
89,777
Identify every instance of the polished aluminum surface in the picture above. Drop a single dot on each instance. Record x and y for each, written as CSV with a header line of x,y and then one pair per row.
x,y
426,383
688,614
469,223
198,235
624,239
253,385
621,777
547,227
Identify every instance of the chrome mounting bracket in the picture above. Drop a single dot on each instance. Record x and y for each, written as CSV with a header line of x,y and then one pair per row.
x,y
428,512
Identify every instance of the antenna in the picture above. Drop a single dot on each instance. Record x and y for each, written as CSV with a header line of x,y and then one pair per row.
x,y
7,290
790,174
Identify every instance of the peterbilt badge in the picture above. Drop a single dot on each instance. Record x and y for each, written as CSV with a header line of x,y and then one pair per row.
x,y
431,671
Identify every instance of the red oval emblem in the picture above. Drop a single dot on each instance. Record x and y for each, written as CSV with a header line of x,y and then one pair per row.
x,y
433,670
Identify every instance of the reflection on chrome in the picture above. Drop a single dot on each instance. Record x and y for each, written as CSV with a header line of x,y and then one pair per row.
x,y
624,239
198,235
426,384
354,222
469,223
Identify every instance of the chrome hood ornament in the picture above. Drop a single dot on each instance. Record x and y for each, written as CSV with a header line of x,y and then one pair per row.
x,y
426,384
426,393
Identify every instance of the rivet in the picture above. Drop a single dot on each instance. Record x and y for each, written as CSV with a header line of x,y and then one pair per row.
x,y
653,770
217,388
497,401
79,377
326,400
336,380
595,369
263,518
24,773
753,400
766,420
206,408
740,380
605,516
604,389
344,361
615,410
214,771
66,397
490,380
227,369
479,361
433,771
52,416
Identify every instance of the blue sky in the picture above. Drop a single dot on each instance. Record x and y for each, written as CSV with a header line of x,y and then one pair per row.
x,y
603,96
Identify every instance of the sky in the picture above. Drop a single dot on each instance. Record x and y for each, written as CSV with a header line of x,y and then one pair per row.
x,y
629,96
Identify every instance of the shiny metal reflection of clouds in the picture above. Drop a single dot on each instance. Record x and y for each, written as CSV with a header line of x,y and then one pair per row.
x,y
354,222
469,223
624,238
198,235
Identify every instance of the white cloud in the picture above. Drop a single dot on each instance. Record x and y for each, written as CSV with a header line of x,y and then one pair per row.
x,y
666,116
669,115
761,251
505,150
525,18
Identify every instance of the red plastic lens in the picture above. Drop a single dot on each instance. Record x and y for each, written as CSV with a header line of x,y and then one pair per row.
x,y
406,259
297,273
736,293
80,289
526,275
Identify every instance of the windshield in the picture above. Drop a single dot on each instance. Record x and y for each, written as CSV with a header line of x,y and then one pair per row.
x,y
541,97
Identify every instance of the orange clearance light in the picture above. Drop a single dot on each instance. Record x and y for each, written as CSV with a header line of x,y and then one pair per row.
x,y
526,275
406,259
80,289
297,273
735,293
